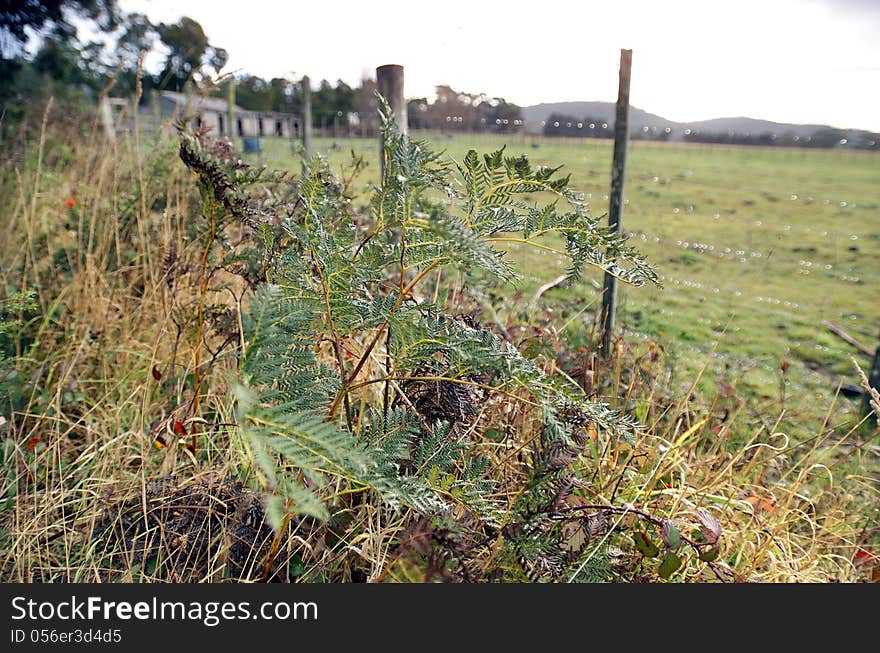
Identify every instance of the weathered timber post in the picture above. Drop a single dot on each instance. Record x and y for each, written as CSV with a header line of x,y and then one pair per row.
x,y
230,109
615,207
106,114
307,117
389,84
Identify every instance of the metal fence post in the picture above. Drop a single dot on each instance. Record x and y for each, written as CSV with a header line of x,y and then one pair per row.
x,y
615,208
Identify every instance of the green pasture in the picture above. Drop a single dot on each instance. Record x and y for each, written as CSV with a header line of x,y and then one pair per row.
x,y
756,247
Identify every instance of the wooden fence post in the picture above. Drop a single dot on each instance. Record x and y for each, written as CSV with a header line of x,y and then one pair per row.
x,y
307,117
389,84
106,114
615,207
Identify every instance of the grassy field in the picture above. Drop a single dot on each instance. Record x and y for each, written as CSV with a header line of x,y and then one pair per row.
x,y
756,247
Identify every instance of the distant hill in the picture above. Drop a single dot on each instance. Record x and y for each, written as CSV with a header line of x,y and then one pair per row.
x,y
604,111
754,126
535,115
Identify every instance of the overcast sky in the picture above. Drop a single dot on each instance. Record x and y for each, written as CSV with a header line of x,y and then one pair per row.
x,y
803,61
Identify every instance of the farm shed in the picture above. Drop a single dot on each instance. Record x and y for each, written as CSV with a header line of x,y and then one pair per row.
x,y
214,113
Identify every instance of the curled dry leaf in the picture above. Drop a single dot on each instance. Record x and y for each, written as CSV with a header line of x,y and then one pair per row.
x,y
711,529
573,537
759,504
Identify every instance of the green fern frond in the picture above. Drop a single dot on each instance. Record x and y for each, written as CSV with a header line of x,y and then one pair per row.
x,y
356,391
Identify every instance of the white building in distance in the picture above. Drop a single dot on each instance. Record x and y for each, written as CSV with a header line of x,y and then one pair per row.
x,y
213,113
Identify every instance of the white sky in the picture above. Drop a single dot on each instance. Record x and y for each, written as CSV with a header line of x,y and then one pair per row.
x,y
801,61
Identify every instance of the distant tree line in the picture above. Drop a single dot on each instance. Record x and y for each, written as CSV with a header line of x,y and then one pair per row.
x,y
60,63
332,104
825,137
459,111
66,66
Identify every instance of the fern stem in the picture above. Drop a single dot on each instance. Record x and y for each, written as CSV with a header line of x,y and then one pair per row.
x,y
272,553
337,346
203,290
343,391
386,399
524,241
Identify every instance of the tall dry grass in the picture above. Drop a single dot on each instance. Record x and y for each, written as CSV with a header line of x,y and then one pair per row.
x,y
105,233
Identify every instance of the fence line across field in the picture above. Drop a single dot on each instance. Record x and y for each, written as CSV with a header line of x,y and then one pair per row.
x,y
746,257
390,80
754,219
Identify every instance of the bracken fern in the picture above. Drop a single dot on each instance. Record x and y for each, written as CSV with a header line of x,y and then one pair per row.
x,y
358,386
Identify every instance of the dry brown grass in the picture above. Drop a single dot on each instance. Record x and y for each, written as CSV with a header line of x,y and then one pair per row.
x,y
120,306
